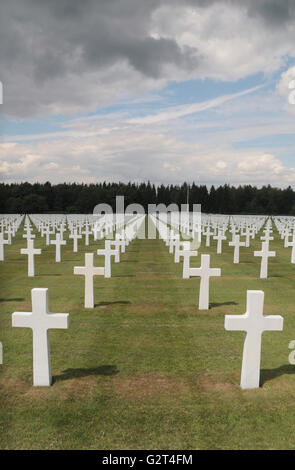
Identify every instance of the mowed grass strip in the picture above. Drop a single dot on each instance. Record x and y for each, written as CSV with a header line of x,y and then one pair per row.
x,y
145,369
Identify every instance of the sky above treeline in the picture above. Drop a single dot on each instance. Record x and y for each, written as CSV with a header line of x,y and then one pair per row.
x,y
138,90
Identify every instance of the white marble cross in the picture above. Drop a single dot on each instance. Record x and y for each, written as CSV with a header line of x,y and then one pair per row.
x,y
186,254
219,239
95,229
286,236
2,243
28,235
58,242
9,232
254,323
61,230
208,234
107,252
245,233
179,248
31,252
48,231
121,241
265,254
236,243
266,237
88,271
87,232
292,243
117,244
174,239
40,320
205,272
75,236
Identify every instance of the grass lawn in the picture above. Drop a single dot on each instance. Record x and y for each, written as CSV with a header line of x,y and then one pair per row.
x,y
145,369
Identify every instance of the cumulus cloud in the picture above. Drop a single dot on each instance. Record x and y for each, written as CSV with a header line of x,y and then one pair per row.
x,y
286,88
125,155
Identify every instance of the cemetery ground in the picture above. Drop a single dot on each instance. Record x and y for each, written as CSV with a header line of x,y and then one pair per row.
x,y
145,369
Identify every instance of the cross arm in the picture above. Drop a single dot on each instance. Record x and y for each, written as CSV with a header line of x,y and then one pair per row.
x,y
274,322
22,319
58,320
236,322
80,270
258,253
193,272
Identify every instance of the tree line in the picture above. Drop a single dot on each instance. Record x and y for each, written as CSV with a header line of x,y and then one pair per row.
x,y
82,198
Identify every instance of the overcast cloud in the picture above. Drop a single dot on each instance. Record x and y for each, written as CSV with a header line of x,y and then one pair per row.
x,y
61,56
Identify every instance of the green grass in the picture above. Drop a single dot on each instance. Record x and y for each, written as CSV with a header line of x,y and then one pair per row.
x,y
145,369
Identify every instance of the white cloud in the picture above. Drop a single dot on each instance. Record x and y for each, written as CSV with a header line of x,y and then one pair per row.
x,y
185,110
141,156
232,43
286,88
256,165
51,166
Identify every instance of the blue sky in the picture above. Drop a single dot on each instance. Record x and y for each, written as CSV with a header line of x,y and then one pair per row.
x,y
191,104
173,94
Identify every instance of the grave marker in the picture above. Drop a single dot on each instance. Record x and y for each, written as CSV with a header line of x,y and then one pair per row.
x,y
254,323
40,320
88,271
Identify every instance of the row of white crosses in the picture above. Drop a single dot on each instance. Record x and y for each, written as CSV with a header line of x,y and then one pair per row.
x,y
40,320
174,244
30,251
204,271
89,270
252,322
78,225
3,242
265,253
8,227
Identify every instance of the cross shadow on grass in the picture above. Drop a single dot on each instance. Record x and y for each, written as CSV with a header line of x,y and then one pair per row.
x,y
220,304
266,375
48,274
123,275
16,299
77,373
122,302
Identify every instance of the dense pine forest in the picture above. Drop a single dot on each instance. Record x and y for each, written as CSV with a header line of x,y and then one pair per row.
x,y
81,198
